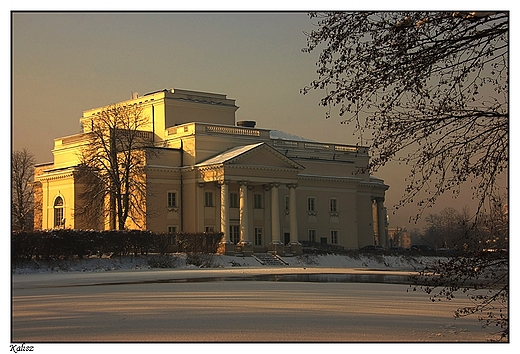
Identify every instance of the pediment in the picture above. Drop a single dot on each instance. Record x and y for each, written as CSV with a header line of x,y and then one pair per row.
x,y
256,155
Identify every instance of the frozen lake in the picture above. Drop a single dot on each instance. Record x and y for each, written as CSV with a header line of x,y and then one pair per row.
x,y
183,306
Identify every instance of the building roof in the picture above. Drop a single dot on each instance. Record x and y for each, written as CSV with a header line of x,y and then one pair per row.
x,y
228,155
236,152
278,134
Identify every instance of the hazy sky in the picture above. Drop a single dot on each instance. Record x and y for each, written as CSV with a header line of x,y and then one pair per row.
x,y
65,63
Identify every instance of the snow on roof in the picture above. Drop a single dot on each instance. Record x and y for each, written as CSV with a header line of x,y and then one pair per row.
x,y
228,154
278,134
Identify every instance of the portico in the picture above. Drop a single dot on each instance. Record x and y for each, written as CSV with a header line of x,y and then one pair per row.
x,y
249,196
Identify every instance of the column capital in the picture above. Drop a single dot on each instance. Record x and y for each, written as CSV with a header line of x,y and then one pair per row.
x,y
223,181
292,185
201,184
243,183
274,184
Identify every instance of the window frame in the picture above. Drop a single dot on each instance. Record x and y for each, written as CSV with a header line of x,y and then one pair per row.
x,y
311,235
58,208
208,199
169,203
234,234
311,203
334,237
258,236
257,201
333,205
233,200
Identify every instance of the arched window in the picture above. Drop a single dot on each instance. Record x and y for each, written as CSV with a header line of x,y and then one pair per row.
x,y
58,212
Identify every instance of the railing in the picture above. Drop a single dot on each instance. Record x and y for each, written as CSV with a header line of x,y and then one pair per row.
x,y
318,146
232,130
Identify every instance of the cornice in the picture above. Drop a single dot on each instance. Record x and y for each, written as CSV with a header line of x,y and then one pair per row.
x,y
157,168
49,176
246,167
330,178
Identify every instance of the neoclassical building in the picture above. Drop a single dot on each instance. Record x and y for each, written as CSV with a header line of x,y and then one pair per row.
x,y
262,188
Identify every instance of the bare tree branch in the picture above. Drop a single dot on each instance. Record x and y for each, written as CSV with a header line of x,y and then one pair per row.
x,y
112,167
22,199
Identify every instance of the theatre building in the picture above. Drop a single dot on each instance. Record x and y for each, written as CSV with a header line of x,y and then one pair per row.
x,y
264,189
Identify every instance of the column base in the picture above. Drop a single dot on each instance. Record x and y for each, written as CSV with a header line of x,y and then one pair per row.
x,y
227,248
276,248
246,248
296,248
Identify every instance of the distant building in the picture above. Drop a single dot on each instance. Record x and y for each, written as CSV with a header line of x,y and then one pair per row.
x,y
262,188
399,237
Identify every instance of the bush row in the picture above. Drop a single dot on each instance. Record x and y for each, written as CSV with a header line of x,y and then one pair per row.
x,y
67,243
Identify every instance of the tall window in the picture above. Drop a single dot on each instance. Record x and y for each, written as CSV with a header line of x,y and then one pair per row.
x,y
257,201
208,199
286,203
172,239
258,236
334,237
233,200
172,199
234,233
333,205
312,235
58,212
311,204
210,229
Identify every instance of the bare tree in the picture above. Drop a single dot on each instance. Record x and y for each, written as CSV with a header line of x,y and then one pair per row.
x,y
22,202
448,228
112,167
432,85
429,89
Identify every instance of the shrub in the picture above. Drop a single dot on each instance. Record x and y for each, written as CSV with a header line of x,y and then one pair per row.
x,y
68,243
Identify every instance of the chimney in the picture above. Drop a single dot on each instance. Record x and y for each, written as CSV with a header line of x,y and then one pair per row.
x,y
246,123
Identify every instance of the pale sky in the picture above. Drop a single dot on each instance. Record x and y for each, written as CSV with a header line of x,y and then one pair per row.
x,y
65,63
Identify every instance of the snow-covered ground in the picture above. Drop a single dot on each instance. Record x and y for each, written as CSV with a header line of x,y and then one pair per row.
x,y
182,261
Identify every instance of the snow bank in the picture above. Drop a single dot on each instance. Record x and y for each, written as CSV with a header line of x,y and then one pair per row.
x,y
182,261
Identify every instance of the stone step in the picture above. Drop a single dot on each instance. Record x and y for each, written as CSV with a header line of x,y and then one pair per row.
x,y
268,259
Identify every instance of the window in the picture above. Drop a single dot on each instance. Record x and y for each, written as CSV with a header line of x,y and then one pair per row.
x,y
334,237
58,212
257,201
208,199
233,200
258,236
287,203
333,205
172,199
312,235
311,204
210,229
172,239
234,234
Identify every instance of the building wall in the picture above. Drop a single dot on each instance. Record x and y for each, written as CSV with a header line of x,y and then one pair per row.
x,y
190,128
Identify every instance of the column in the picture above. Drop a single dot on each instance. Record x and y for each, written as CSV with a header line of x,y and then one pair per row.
x,y
224,210
381,221
200,207
275,214
293,219
244,217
